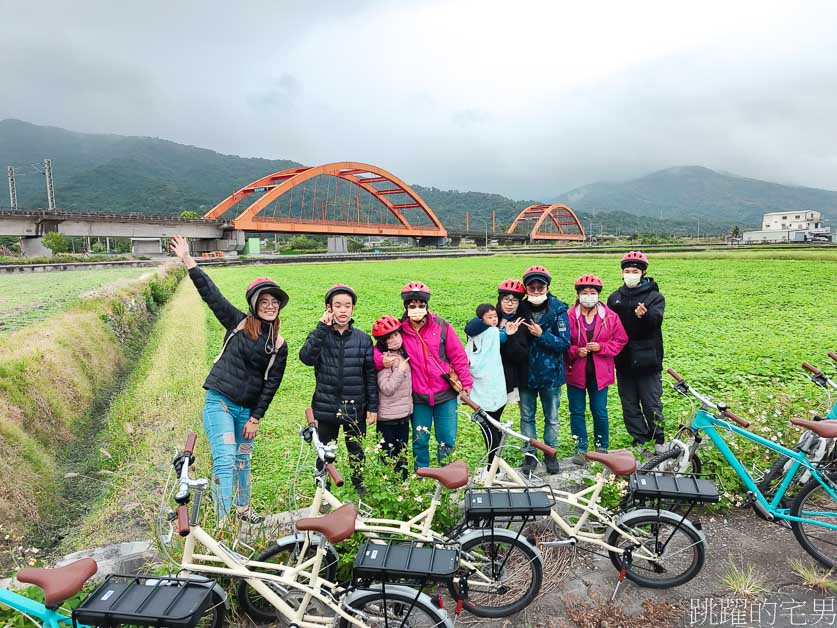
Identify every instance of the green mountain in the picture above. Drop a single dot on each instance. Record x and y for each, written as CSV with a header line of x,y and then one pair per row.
x,y
696,192
148,175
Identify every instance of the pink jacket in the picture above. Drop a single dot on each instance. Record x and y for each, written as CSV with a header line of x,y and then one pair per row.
x,y
395,392
610,335
429,387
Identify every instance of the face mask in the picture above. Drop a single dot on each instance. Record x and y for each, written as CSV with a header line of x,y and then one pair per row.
x,y
632,279
537,300
588,300
416,314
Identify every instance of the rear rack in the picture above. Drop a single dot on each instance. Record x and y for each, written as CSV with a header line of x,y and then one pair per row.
x,y
400,561
146,601
659,486
491,503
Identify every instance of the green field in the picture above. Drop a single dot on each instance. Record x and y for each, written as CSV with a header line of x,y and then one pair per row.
x,y
737,325
29,297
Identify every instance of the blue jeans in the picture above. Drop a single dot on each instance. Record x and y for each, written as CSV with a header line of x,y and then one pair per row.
x,y
550,401
224,422
598,408
445,419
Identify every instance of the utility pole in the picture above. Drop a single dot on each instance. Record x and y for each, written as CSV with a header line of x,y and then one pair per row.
x,y
12,189
49,185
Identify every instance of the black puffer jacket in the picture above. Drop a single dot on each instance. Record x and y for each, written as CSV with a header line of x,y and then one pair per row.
x,y
644,351
239,373
515,355
345,372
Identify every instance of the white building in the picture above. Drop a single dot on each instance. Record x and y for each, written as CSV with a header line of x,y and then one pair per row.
x,y
789,226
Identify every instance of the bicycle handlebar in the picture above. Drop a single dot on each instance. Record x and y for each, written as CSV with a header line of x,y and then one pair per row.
x,y
190,443
675,375
309,416
549,451
683,387
832,355
184,459
334,474
736,418
812,369
182,520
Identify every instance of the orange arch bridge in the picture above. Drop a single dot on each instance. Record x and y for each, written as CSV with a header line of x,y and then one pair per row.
x,y
346,198
551,222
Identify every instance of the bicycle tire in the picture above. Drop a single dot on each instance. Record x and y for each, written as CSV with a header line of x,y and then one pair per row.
x,y
648,524
520,564
694,468
813,492
421,611
286,550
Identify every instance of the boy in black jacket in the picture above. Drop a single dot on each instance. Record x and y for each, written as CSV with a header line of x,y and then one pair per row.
x,y
640,307
347,386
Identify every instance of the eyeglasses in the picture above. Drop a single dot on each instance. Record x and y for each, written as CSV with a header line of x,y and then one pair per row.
x,y
268,302
509,298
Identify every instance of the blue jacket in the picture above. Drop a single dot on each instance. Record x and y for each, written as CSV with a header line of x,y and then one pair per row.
x,y
546,354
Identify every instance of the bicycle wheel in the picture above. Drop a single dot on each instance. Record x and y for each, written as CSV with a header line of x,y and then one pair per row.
x,y
397,606
284,552
814,502
504,574
679,550
669,461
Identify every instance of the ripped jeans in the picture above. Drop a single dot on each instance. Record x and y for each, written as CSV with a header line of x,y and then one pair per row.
x,y
224,422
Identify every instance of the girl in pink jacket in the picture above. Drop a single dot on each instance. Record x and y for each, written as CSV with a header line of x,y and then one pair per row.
x,y
437,357
596,337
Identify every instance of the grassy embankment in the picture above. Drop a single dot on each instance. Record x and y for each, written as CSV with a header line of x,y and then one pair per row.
x,y
55,375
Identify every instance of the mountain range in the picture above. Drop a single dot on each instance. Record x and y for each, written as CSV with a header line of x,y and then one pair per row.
x,y
119,174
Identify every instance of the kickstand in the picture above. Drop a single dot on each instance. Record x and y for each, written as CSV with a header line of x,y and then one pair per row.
x,y
623,571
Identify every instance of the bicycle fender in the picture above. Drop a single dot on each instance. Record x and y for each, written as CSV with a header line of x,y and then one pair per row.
x,y
499,533
397,588
670,517
216,588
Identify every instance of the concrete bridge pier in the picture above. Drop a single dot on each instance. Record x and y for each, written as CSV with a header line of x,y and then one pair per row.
x,y
430,241
455,241
34,247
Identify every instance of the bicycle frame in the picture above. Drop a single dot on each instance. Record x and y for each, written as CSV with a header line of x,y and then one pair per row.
x,y
35,610
585,500
709,424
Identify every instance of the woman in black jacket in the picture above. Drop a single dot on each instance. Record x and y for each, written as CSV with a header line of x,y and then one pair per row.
x,y
241,383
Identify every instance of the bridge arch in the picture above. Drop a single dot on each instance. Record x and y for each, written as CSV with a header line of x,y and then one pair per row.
x,y
381,185
561,217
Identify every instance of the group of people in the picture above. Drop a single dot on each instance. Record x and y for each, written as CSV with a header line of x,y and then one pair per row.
x,y
407,377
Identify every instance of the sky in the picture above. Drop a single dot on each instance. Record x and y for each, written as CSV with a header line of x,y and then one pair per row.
x,y
525,99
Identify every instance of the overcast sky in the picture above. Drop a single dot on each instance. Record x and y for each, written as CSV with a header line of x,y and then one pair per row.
x,y
527,99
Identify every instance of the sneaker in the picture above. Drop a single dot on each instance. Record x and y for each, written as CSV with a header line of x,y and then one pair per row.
x,y
579,459
530,463
249,516
552,466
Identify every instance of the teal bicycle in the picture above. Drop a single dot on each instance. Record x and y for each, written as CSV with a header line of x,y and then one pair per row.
x,y
812,514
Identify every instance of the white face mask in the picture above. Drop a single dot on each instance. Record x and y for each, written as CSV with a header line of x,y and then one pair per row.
x,y
416,314
536,300
588,300
632,279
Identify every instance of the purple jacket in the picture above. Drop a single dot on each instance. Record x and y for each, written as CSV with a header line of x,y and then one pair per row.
x,y
429,387
610,335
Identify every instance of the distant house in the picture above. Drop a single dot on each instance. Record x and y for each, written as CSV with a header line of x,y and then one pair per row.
x,y
789,226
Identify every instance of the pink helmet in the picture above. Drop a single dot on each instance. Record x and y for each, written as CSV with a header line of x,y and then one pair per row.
x,y
264,285
635,259
511,286
537,273
415,290
588,281
384,326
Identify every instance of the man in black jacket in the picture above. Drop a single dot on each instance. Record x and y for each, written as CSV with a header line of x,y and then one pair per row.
x,y
640,307
347,386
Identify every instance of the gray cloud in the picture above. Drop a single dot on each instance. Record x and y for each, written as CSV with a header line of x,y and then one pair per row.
x,y
466,95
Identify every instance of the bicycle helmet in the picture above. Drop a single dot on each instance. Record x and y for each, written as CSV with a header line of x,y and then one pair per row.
x,y
384,326
264,285
537,273
511,286
635,259
588,281
337,289
415,290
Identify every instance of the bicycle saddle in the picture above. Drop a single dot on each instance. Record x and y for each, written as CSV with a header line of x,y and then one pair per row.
x,y
453,475
59,583
620,462
335,526
826,429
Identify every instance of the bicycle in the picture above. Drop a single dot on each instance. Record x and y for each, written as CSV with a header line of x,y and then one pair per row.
x,y
118,601
299,592
816,500
500,572
652,547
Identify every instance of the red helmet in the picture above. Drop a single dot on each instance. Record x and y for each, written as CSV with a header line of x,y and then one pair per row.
x,y
537,273
511,286
636,259
588,281
415,290
384,326
338,288
264,285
